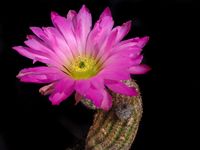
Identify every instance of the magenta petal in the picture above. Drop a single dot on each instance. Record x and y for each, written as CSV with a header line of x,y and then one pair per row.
x,y
115,74
118,61
63,89
137,60
121,88
98,34
45,50
37,45
47,37
97,82
143,41
51,42
122,31
105,13
128,53
57,43
100,98
39,32
139,69
71,14
82,86
57,98
128,47
95,96
128,43
107,101
66,28
105,49
33,54
84,24
40,75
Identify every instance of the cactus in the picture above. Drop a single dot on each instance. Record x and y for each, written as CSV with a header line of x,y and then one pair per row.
x,y
117,128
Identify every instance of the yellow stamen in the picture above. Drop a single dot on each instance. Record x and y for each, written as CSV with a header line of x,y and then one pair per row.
x,y
83,67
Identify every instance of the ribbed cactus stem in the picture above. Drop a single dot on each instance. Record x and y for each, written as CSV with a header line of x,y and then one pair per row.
x,y
104,129
96,123
117,128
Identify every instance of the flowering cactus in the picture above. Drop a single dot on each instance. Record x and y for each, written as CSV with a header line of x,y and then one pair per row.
x,y
83,59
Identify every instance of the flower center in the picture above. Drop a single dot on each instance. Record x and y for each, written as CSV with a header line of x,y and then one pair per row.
x,y
83,67
81,64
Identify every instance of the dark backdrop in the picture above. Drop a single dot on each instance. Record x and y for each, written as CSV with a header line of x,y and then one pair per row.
x,y
29,122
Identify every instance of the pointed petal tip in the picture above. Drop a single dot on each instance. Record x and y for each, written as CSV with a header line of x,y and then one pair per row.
x,y
140,69
129,22
106,12
14,47
18,75
71,14
148,68
107,9
53,14
107,108
17,48
127,25
141,42
55,103
145,39
29,36
54,99
84,8
33,29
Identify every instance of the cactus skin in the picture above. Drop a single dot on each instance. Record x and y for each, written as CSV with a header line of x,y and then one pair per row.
x,y
110,132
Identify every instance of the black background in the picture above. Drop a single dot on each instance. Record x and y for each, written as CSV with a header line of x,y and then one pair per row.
x,y
29,122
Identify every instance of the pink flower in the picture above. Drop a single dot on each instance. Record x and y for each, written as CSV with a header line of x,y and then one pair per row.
x,y
83,59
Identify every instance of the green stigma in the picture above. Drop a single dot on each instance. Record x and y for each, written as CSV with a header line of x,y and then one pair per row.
x,y
81,64
83,67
